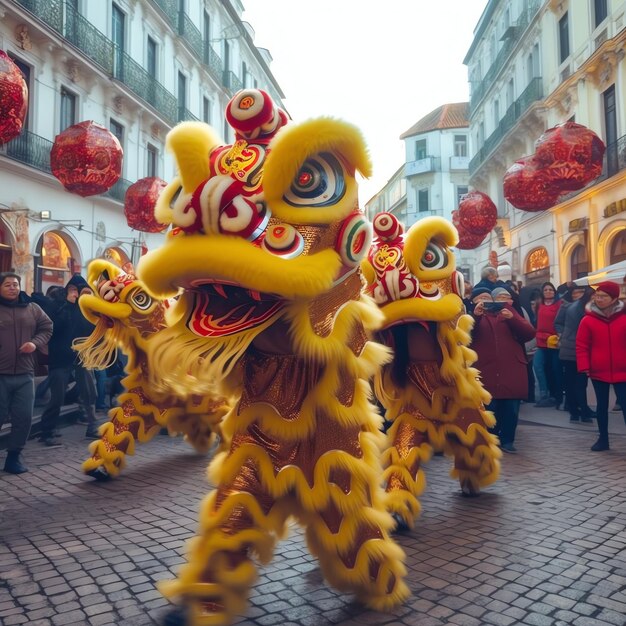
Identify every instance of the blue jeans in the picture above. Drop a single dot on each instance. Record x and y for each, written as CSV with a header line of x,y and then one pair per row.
x,y
17,397
547,368
506,412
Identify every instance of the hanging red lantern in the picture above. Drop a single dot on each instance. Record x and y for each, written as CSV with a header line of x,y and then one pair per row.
x,y
572,155
13,99
467,240
139,203
477,213
528,186
86,158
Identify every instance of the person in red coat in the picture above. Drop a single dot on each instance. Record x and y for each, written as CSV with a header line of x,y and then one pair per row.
x,y
498,338
601,353
546,360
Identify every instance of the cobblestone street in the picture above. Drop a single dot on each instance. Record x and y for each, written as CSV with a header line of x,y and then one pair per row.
x,y
545,545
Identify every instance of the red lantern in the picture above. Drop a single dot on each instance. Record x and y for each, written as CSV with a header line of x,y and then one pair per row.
x,y
13,99
139,203
86,158
477,213
528,186
467,240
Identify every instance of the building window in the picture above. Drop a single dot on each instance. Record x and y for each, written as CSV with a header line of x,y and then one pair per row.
x,y
461,190
496,113
206,32
182,92
423,200
244,74
564,37
610,130
618,248
68,109
118,35
206,110
599,11
510,94
152,165
460,145
118,130
420,149
151,58
579,263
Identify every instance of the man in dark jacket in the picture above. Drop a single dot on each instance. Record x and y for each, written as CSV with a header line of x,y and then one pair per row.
x,y
24,328
69,324
566,324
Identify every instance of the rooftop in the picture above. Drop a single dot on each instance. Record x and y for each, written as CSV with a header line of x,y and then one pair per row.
x,y
455,115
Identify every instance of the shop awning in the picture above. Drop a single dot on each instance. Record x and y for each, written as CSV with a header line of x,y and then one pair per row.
x,y
615,272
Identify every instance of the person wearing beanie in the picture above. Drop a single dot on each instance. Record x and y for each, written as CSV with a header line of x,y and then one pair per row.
x,y
498,338
601,353
63,363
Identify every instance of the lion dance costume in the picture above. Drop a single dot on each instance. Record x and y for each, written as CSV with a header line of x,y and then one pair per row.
x,y
431,394
265,251
126,317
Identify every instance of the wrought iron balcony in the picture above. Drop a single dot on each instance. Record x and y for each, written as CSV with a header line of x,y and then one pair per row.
x,y
169,8
212,61
89,40
142,84
185,116
48,11
118,191
192,36
231,82
30,149
532,93
523,21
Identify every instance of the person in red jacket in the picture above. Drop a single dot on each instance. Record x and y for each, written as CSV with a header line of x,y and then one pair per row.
x,y
546,360
601,353
498,337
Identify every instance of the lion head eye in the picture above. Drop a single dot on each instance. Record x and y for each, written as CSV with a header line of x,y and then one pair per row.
x,y
319,182
435,257
140,299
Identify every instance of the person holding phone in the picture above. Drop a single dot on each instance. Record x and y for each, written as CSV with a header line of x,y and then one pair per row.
x,y
498,338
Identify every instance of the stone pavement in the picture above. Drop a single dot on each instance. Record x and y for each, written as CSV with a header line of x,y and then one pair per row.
x,y
544,545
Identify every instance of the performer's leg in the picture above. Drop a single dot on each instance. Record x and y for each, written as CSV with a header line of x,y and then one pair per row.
x,y
126,425
474,448
236,522
403,477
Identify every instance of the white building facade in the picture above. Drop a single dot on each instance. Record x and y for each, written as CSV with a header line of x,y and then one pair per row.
x,y
534,64
137,67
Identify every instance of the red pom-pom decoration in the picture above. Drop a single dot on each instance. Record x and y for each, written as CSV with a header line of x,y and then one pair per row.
x,y
139,203
13,99
529,187
477,213
86,158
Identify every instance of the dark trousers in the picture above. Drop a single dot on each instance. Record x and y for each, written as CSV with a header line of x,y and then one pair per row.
x,y
602,410
17,396
575,385
506,412
59,378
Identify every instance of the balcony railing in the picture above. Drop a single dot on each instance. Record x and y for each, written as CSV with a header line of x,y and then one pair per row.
x,y
89,40
185,116
169,8
212,61
142,84
48,11
231,82
192,36
30,149
479,90
422,166
118,191
532,93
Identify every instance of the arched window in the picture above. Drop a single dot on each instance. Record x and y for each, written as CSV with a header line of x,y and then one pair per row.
x,y
6,251
537,266
118,257
618,248
56,264
579,262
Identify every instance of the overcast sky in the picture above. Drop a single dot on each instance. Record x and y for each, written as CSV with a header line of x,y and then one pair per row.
x,y
380,65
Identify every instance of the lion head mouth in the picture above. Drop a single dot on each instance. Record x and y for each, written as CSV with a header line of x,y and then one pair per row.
x,y
220,309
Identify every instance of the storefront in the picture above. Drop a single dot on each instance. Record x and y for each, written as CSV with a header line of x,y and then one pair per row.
x,y
57,258
537,267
